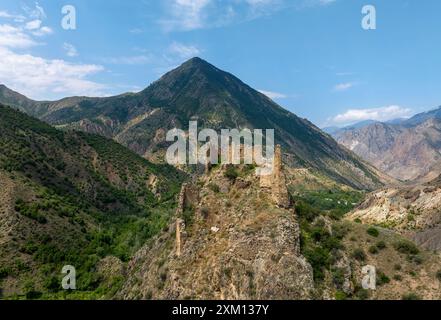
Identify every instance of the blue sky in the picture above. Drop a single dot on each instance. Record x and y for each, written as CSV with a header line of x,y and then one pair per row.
x,y
312,56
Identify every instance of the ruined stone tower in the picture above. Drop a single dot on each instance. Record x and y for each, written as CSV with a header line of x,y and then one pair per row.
x,y
276,181
188,200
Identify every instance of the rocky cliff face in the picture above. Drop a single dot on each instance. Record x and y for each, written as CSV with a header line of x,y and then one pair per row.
x,y
413,210
241,239
231,240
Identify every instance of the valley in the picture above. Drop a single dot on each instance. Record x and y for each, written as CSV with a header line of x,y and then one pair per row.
x,y
84,182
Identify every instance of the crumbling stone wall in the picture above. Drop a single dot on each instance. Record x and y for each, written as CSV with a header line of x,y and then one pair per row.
x,y
276,182
188,198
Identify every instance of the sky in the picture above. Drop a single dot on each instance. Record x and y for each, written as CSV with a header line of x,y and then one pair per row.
x,y
311,56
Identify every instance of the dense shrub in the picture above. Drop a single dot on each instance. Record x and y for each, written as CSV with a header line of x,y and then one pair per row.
x,y
398,277
31,211
411,296
306,211
373,250
438,275
231,173
382,278
4,272
417,259
214,187
373,232
381,245
359,254
406,247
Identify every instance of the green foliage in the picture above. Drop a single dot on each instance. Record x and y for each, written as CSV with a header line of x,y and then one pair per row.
x,y
335,202
359,254
88,212
398,277
338,277
52,284
373,232
306,211
231,173
381,245
318,244
30,292
438,275
411,296
417,259
4,272
340,295
31,211
362,294
205,212
373,250
382,279
188,215
406,247
214,187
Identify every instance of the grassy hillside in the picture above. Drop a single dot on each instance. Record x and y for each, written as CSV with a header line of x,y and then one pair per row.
x,y
73,198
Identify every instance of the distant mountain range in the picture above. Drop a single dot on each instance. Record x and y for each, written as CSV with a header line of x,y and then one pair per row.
x,y
199,91
406,149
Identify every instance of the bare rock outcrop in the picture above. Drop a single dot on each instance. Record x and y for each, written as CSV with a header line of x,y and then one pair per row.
x,y
239,245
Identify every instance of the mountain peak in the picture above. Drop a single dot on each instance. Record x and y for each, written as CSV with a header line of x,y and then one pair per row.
x,y
197,64
196,61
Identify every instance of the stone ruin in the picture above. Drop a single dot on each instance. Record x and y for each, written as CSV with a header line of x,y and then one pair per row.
x,y
276,182
188,199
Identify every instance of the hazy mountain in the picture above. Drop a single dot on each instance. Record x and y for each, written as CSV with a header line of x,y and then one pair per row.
x,y
423,117
408,150
73,198
217,99
337,130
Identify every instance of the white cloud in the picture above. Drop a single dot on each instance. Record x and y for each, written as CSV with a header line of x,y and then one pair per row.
x,y
326,2
273,95
183,51
43,31
343,86
4,14
36,76
33,25
37,12
136,31
186,15
378,114
14,37
7,15
343,74
128,60
70,49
